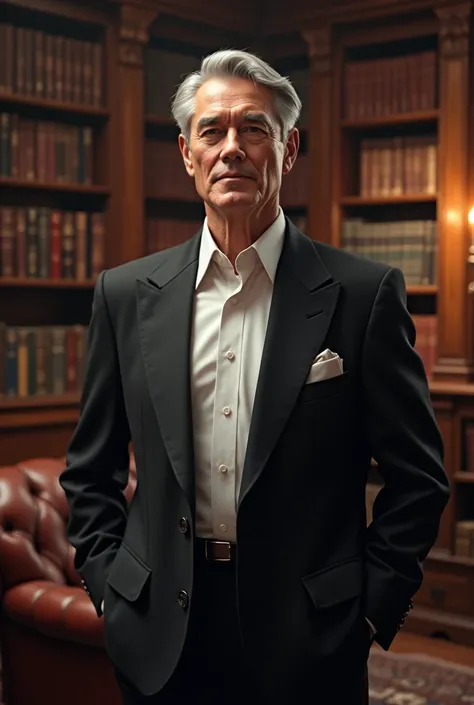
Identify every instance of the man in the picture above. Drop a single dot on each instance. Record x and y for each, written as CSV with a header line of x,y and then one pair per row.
x,y
256,373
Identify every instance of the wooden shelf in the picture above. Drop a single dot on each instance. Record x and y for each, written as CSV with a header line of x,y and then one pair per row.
x,y
86,189
388,200
46,283
452,389
392,120
47,400
422,289
442,557
38,411
48,106
464,477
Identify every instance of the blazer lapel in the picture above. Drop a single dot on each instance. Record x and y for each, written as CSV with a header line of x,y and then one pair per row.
x,y
165,305
304,301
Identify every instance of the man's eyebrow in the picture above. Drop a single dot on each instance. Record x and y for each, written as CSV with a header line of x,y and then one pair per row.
x,y
259,118
212,120
207,122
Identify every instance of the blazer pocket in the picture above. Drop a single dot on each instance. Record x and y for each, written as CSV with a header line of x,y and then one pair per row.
x,y
128,574
337,584
325,388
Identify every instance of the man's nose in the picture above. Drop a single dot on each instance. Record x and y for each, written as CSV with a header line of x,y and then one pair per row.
x,y
232,148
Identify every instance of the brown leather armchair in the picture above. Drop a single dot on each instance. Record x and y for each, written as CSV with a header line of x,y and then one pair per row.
x,y
51,638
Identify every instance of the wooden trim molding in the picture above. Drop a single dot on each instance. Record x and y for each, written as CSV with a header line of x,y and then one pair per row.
x,y
319,50
134,23
454,30
277,19
238,17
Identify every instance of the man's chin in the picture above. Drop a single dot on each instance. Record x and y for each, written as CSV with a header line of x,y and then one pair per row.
x,y
234,199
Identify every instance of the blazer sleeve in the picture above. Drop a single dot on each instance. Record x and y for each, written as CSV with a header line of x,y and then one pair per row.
x,y
97,459
407,445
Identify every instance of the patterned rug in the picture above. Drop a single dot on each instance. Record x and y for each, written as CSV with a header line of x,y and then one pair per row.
x,y
415,679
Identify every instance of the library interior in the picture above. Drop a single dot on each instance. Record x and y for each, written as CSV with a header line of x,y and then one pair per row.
x,y
91,177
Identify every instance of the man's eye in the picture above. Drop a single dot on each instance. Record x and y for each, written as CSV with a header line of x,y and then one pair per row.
x,y
253,128
210,133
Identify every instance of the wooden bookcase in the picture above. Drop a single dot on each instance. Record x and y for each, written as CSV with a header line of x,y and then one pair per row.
x,y
53,198
144,207
397,85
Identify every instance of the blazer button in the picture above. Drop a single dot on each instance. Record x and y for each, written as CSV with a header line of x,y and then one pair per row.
x,y
183,599
184,525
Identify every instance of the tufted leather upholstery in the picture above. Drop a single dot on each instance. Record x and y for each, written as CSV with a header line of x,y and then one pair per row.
x,y
46,616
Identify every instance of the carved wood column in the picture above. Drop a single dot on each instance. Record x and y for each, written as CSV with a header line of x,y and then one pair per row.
x,y
320,148
126,42
455,341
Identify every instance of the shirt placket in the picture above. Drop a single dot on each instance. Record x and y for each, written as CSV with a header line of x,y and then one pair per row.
x,y
224,445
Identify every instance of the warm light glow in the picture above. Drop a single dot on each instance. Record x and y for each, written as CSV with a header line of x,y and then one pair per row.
x,y
453,216
470,217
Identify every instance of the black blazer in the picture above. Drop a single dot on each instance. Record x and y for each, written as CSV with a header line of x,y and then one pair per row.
x,y
308,568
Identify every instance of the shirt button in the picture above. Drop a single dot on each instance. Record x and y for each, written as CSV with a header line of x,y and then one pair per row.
x,y
230,355
223,527
226,411
223,469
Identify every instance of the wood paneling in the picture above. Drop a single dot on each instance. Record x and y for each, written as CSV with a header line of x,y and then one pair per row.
x,y
455,355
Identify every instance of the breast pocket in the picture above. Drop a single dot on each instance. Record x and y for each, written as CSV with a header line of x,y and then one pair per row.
x,y
314,391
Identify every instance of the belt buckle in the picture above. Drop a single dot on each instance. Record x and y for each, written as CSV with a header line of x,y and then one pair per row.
x,y
227,559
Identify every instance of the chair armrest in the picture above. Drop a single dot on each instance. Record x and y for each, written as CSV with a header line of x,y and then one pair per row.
x,y
60,611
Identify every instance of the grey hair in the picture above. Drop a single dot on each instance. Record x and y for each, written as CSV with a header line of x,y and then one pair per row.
x,y
237,64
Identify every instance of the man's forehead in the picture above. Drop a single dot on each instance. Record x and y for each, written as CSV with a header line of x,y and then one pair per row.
x,y
232,94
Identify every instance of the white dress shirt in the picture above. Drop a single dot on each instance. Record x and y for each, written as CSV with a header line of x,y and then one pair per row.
x,y
231,310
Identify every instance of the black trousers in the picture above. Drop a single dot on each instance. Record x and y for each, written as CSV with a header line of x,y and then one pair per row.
x,y
212,669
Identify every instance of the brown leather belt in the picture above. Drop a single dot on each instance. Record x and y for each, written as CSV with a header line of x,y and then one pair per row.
x,y
217,551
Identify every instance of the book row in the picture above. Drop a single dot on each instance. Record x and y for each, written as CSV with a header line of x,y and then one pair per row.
x,y
397,166
46,152
42,65
41,360
389,86
410,245
44,243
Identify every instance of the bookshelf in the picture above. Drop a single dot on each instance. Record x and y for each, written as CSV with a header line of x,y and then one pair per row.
x,y
401,189
53,198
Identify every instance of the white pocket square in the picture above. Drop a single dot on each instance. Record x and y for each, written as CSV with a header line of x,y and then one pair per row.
x,y
326,365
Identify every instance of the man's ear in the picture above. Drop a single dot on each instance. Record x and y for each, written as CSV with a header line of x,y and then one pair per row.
x,y
291,150
186,154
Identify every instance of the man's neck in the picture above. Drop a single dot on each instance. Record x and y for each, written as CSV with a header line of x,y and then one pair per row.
x,y
236,233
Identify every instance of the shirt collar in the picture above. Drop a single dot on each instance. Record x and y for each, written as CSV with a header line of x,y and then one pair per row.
x,y
268,247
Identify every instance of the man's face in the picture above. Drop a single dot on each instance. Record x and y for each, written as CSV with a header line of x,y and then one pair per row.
x,y
235,152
